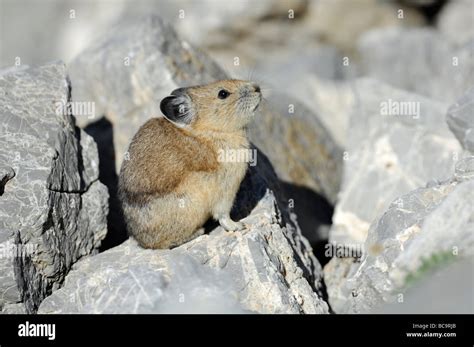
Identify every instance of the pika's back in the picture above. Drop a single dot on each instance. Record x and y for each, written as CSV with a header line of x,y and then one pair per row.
x,y
161,156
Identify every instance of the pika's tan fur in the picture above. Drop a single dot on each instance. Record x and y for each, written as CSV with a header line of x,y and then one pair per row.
x,y
174,181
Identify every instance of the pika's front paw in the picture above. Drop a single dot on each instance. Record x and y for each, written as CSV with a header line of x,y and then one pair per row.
x,y
229,225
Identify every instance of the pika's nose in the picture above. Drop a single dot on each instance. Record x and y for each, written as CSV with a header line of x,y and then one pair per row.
x,y
256,88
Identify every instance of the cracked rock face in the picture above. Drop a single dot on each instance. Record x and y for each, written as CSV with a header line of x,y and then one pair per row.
x,y
266,268
52,206
460,120
397,142
420,232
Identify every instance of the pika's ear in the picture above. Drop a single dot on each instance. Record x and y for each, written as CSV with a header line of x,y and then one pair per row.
x,y
176,108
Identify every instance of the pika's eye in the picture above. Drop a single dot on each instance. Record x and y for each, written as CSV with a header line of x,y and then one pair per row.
x,y
223,94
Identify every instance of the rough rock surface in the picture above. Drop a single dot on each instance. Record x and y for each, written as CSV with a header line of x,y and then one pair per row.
x,y
342,22
18,308
460,120
267,268
415,235
52,207
331,100
436,294
418,60
212,16
295,61
389,152
456,21
337,22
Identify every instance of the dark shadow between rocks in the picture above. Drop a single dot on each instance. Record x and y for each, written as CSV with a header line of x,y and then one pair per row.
x,y
250,193
429,9
248,196
210,225
314,217
314,214
102,132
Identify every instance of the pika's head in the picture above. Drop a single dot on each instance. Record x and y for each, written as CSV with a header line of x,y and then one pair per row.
x,y
227,105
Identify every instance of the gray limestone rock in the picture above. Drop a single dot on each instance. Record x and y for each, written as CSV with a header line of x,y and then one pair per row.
x,y
418,60
397,141
420,232
52,207
446,291
331,100
341,23
267,268
456,21
460,120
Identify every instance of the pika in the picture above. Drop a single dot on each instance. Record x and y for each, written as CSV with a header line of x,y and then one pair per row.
x,y
174,179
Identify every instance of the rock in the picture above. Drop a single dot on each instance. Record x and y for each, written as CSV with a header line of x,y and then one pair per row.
x,y
336,271
13,309
129,279
397,142
267,268
89,20
415,235
213,17
52,207
102,132
298,145
331,100
341,23
63,30
273,65
464,169
436,294
296,62
460,120
420,60
456,21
